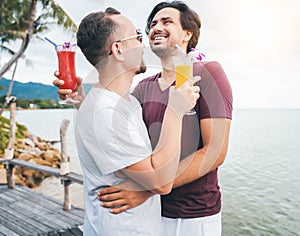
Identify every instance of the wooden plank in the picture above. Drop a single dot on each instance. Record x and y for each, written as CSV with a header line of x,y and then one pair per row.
x,y
77,178
66,233
3,188
34,166
76,231
23,220
5,231
53,205
37,219
48,219
13,224
5,200
25,213
43,213
44,210
54,234
74,177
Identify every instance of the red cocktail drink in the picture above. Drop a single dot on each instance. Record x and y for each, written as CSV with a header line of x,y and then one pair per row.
x,y
66,65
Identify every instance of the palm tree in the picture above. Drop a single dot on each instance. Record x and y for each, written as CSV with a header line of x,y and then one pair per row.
x,y
19,21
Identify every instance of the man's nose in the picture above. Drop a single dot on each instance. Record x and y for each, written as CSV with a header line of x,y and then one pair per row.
x,y
158,27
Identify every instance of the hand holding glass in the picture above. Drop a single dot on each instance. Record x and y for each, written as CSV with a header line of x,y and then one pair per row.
x,y
66,67
184,71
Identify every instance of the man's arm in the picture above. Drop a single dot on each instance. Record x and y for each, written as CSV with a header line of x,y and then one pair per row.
x,y
215,136
158,171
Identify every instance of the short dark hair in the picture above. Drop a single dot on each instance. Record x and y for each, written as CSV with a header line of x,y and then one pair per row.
x,y
95,35
189,20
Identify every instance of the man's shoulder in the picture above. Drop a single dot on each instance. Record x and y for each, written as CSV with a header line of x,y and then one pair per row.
x,y
206,65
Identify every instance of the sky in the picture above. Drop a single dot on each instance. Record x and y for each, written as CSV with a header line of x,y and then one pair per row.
x,y
255,41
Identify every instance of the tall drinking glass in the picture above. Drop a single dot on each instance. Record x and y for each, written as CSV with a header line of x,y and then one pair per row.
x,y
184,71
66,67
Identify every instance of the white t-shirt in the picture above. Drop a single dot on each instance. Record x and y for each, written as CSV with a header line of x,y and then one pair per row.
x,y
111,135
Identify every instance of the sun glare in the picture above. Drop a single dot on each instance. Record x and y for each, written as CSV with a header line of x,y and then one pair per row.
x,y
262,24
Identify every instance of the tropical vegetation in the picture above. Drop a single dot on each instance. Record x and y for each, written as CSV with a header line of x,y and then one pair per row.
x,y
21,20
21,133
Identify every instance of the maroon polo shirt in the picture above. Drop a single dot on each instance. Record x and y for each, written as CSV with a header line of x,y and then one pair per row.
x,y
201,197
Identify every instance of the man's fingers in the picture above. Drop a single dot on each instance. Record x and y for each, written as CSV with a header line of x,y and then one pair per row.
x,y
196,89
79,81
194,79
110,197
56,74
112,204
58,82
119,210
108,190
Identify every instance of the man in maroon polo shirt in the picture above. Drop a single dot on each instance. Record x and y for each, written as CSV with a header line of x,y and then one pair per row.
x,y
194,205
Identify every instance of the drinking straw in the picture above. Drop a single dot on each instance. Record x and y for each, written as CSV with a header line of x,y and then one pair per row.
x,y
180,49
54,44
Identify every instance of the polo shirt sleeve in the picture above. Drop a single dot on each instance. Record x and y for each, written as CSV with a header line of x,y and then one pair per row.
x,y
215,90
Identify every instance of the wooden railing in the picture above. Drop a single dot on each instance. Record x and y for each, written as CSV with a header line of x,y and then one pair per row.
x,y
64,173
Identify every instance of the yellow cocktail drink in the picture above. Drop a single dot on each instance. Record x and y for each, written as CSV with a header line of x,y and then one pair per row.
x,y
183,73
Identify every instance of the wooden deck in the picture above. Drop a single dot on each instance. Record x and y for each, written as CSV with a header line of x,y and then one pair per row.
x,y
26,212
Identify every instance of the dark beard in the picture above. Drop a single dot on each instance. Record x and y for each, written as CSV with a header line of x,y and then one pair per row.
x,y
142,68
162,52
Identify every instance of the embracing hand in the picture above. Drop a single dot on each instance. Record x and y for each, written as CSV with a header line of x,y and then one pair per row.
x,y
122,197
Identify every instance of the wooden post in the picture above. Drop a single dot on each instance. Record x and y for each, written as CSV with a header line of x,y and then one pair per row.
x,y
10,175
63,131
67,198
9,151
64,168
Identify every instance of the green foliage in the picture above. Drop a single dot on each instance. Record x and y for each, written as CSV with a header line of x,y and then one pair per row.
x,y
51,10
11,24
21,20
46,104
15,16
23,103
4,133
21,132
37,104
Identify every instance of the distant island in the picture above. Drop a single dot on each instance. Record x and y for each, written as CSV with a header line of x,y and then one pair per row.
x,y
33,95
30,90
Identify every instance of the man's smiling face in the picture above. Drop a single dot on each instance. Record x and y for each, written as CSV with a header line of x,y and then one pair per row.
x,y
165,32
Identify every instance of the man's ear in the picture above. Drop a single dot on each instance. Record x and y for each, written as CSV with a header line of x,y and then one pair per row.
x,y
117,52
188,36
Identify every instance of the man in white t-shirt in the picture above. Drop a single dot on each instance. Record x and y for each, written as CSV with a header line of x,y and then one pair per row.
x,y
109,130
